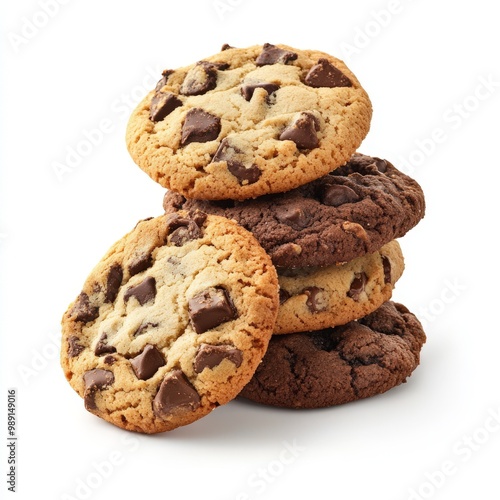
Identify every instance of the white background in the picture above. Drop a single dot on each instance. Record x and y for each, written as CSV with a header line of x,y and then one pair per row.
x,y
432,71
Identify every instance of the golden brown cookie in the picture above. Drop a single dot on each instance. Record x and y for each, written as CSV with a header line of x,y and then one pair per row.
x,y
171,323
247,122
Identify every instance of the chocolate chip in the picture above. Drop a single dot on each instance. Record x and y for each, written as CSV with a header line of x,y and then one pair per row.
x,y
176,395
102,346
143,292
83,310
271,55
140,263
381,165
198,217
74,348
233,157
316,299
210,308
325,74
386,264
109,360
284,295
199,79
247,89
144,327
226,46
209,356
181,230
302,131
335,195
162,104
113,283
357,286
293,216
95,380
164,79
199,126
146,364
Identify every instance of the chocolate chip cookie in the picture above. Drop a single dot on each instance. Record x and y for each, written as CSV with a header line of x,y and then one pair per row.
x,y
171,323
247,122
341,364
352,211
321,297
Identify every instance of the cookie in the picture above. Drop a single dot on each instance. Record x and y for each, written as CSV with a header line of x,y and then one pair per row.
x,y
352,211
341,364
247,122
171,323
321,297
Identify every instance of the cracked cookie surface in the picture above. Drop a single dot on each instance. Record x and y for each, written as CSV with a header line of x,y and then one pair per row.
x,y
171,323
341,364
249,121
352,211
321,297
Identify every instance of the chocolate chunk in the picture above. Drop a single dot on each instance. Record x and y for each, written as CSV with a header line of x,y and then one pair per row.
x,y
109,360
380,164
247,89
233,157
102,346
244,175
293,216
146,364
357,286
210,308
335,195
199,126
200,79
74,348
302,131
113,283
284,295
176,395
143,292
386,264
316,300
225,47
162,104
95,380
198,217
325,74
181,230
209,356
83,310
140,263
144,327
271,55
164,79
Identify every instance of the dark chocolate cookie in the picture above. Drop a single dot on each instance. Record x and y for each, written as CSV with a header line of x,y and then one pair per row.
x,y
354,210
341,364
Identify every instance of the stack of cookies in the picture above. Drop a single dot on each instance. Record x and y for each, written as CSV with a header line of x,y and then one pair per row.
x,y
271,272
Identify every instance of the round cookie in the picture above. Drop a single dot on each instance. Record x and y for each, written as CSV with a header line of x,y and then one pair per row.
x,y
250,121
352,211
341,364
171,323
322,297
